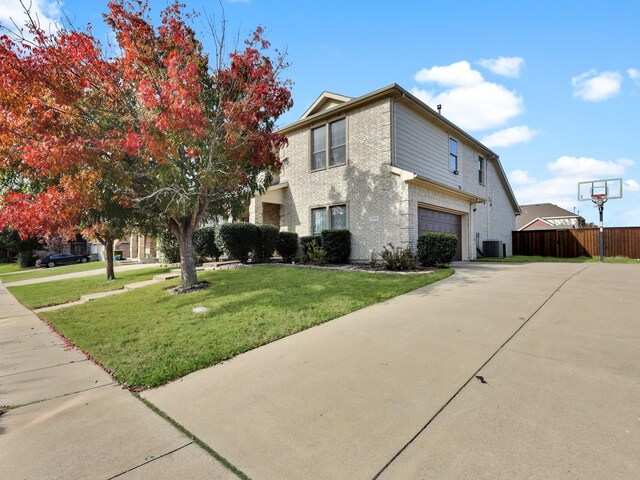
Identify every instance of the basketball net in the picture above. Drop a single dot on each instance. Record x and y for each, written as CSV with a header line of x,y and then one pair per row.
x,y
599,199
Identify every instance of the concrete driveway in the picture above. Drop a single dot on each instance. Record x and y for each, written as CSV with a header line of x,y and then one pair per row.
x,y
502,371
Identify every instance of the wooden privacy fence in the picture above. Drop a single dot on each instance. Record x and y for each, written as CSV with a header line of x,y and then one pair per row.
x,y
618,242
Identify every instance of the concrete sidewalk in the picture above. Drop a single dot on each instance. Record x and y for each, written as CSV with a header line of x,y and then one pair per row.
x,y
66,276
70,420
391,391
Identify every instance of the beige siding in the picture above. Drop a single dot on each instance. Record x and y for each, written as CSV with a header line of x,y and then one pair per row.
x,y
423,148
495,220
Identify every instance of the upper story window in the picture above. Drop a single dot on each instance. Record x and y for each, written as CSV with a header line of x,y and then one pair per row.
x,y
481,170
453,155
329,145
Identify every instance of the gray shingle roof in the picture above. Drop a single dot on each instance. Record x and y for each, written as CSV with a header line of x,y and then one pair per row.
x,y
541,210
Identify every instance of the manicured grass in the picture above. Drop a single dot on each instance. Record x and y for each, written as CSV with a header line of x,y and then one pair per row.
x,y
53,293
26,274
11,267
149,336
533,258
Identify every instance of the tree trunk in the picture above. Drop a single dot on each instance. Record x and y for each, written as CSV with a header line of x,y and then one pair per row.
x,y
108,247
187,257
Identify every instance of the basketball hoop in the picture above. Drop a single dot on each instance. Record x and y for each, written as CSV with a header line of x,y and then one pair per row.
x,y
599,199
599,191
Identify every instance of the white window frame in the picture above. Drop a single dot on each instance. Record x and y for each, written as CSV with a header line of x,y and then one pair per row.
x,y
482,169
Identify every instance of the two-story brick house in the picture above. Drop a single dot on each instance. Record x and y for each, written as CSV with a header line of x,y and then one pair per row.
x,y
387,167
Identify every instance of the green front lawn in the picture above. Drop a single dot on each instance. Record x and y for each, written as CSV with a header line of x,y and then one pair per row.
x,y
63,291
27,274
11,267
534,258
148,337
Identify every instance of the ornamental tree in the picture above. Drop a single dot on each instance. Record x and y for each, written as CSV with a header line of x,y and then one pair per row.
x,y
157,132
61,118
202,133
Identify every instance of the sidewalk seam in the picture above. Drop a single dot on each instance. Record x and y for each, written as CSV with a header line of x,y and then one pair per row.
x,y
149,461
226,463
43,368
473,375
61,396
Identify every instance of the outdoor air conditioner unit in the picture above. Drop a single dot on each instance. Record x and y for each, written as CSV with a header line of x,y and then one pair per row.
x,y
493,248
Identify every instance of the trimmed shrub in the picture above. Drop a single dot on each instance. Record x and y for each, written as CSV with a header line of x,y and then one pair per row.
x,y
398,258
204,243
287,246
304,245
169,246
337,244
437,249
237,240
266,241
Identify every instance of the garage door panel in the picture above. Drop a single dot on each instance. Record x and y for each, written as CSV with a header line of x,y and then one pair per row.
x,y
437,221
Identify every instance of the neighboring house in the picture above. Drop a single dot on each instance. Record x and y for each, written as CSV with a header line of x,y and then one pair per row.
x,y
387,167
547,216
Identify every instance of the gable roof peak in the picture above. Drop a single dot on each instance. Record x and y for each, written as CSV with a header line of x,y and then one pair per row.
x,y
325,101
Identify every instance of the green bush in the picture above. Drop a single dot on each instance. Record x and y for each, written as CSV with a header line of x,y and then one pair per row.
x,y
287,246
169,246
337,244
204,243
266,241
237,240
436,249
316,254
305,242
398,258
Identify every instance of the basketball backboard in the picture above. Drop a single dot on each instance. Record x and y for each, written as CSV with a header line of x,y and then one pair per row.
x,y
610,188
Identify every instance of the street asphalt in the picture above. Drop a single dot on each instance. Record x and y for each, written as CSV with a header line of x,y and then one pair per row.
x,y
502,371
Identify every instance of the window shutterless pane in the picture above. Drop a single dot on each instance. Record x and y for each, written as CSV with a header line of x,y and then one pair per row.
x,y
318,220
453,154
318,148
338,136
338,217
481,170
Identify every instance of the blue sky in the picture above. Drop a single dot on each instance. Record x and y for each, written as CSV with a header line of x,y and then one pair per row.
x,y
553,87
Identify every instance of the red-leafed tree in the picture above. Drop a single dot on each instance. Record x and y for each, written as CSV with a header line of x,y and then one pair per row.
x,y
157,130
204,133
61,118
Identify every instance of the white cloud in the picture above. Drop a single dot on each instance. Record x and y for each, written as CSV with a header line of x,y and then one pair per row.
x,y
588,168
562,188
631,186
46,12
457,74
521,177
509,136
478,107
634,74
505,66
468,99
592,86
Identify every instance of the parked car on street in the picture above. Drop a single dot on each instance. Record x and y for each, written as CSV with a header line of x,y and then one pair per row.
x,y
61,259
